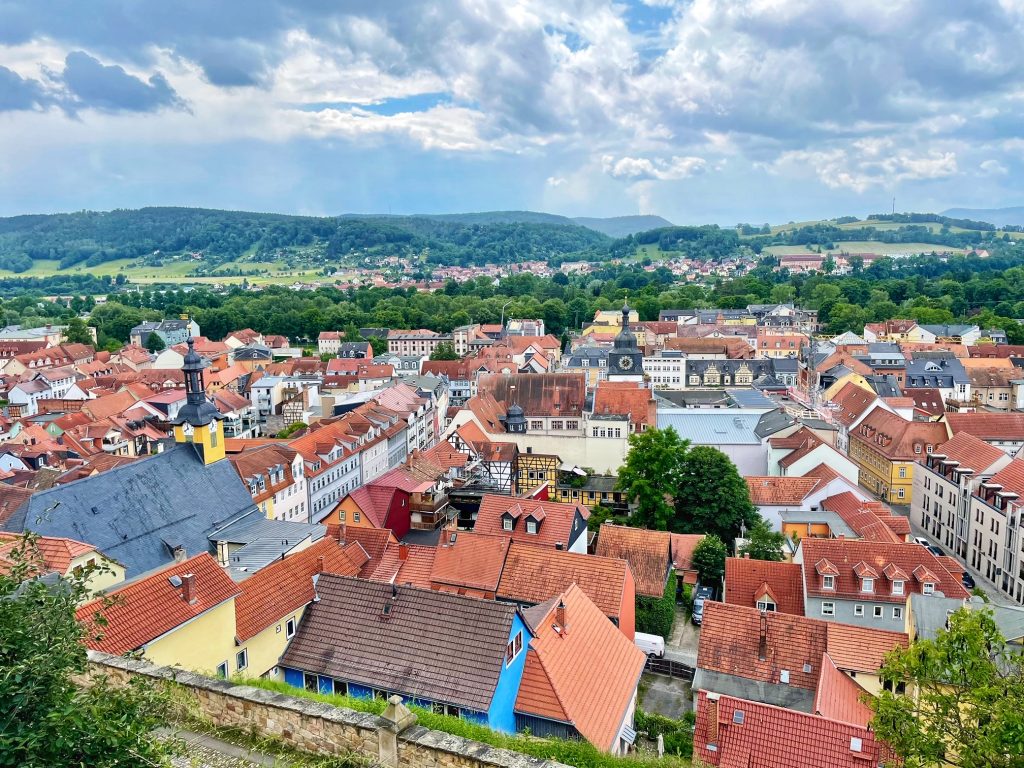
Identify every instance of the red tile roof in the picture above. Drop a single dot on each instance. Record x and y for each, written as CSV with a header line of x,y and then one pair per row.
x,y
970,451
988,426
624,397
896,438
823,472
773,737
861,649
153,606
780,491
538,394
852,403
286,585
864,518
473,561
558,523
844,554
649,554
55,555
374,501
683,545
534,574
583,672
374,541
839,697
1010,477
747,580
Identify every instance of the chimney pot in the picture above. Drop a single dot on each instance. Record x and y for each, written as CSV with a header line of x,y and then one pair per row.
x,y
188,588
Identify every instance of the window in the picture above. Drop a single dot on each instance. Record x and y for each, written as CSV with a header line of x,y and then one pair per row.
x,y
289,629
356,517
556,424
897,612
340,687
513,648
222,670
309,682
858,610
878,612
506,523
828,609
531,526
900,493
903,470
928,588
867,585
764,605
242,659
828,582
536,424
572,425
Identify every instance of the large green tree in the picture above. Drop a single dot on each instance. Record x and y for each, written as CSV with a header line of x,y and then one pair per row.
x,y
444,351
763,543
650,475
963,703
77,332
46,719
710,496
709,559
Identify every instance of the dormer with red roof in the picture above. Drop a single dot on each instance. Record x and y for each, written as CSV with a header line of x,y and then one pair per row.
x,y
562,526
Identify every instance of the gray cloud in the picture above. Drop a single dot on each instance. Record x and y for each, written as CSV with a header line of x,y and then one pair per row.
x,y
109,88
18,93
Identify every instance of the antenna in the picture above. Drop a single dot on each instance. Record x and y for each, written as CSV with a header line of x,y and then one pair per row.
x,y
894,205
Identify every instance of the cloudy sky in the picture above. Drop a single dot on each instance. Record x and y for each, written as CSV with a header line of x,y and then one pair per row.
x,y
698,110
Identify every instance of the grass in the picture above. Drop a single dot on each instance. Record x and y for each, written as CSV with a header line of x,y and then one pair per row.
x,y
576,753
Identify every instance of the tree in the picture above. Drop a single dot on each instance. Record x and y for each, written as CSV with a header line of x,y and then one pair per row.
x,y
709,560
155,343
444,351
710,496
45,717
964,700
649,477
763,543
77,332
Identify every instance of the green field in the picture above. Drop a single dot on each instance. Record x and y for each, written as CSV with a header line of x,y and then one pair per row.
x,y
865,246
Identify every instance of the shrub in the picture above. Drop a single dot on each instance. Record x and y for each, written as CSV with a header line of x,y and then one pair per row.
x,y
655,616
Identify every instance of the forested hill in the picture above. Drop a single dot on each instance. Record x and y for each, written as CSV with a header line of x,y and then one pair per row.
x,y
154,234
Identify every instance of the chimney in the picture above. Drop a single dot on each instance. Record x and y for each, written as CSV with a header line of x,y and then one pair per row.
x,y
762,643
188,588
342,534
222,553
746,555
179,554
560,614
320,564
712,702
403,551
559,546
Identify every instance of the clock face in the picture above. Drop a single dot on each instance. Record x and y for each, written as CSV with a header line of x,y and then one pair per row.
x,y
625,363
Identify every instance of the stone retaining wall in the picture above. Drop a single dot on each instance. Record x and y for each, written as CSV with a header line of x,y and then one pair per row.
x,y
391,740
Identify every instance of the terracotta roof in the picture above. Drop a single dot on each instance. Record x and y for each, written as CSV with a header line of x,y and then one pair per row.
x,y
844,554
434,645
992,377
11,499
538,394
153,606
746,580
864,518
773,737
896,438
861,649
988,426
852,402
580,669
473,560
970,451
823,472
55,554
534,574
683,545
375,502
627,398
413,571
286,585
1010,477
557,523
780,491
730,637
649,554
839,697
374,542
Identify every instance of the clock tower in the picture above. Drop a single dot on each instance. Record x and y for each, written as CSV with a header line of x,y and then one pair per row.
x,y
626,360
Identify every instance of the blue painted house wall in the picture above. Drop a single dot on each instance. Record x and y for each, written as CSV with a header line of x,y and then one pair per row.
x,y
501,716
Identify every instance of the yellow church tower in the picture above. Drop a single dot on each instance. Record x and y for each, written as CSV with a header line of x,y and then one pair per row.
x,y
199,421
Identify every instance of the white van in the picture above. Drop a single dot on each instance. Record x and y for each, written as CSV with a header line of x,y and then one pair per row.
x,y
652,645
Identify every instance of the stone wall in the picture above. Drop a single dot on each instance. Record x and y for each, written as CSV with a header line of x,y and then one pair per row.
x,y
392,739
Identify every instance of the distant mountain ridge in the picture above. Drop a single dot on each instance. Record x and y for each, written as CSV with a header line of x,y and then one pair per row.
x,y
615,226
1001,217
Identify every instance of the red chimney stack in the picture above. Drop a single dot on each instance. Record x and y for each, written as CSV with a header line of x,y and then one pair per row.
x,y
403,551
188,588
560,615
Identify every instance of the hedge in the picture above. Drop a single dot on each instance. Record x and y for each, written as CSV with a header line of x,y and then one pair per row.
x,y
656,615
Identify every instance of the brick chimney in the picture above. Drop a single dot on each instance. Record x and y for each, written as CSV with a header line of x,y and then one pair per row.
x,y
188,588
560,614
320,564
712,702
403,551
341,533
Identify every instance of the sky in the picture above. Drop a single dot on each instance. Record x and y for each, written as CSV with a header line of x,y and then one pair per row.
x,y
701,111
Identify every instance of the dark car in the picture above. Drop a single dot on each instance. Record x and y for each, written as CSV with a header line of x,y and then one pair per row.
x,y
701,596
967,580
935,551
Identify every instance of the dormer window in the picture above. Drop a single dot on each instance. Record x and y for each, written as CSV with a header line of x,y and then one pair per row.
x,y
867,585
897,587
828,582
506,523
927,588
766,604
531,526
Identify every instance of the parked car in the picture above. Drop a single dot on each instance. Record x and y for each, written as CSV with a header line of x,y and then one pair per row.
x,y
935,550
922,541
701,596
652,645
967,580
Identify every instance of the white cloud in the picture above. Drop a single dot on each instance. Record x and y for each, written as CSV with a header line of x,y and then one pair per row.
x,y
993,168
644,168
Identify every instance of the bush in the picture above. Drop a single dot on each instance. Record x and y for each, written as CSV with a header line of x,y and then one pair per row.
x,y
677,734
656,616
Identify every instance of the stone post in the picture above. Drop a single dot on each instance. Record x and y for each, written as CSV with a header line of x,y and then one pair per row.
x,y
398,718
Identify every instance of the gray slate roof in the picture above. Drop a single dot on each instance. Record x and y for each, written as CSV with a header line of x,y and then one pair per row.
x,y
772,422
432,645
137,513
705,427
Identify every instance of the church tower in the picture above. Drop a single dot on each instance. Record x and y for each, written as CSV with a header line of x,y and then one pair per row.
x,y
199,421
625,360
